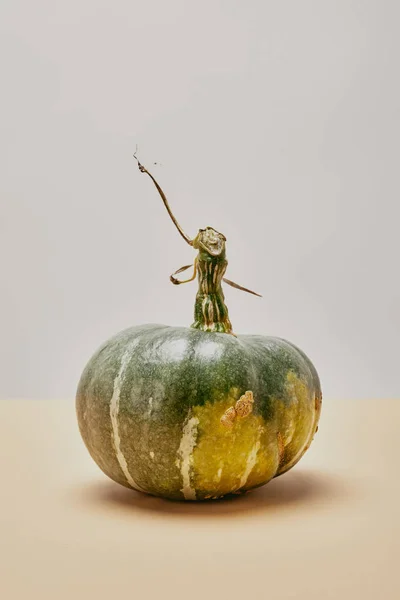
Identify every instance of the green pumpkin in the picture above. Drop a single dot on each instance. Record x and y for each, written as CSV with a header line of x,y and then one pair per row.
x,y
198,413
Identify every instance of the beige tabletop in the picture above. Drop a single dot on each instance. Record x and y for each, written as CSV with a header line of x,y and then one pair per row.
x,y
327,529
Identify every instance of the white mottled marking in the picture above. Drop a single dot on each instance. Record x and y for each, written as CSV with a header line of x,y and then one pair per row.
x,y
151,454
150,406
289,437
251,461
185,452
114,412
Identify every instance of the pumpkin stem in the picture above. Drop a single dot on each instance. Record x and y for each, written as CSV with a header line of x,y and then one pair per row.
x,y
143,169
210,310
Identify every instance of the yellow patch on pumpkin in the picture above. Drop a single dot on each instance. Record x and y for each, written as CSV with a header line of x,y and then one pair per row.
x,y
228,459
296,418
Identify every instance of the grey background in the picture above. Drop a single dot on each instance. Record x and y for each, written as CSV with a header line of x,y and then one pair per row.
x,y
275,122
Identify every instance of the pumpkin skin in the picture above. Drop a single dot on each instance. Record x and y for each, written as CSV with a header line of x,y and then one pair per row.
x,y
151,399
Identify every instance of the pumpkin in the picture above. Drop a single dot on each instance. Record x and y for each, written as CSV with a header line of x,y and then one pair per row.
x,y
197,413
